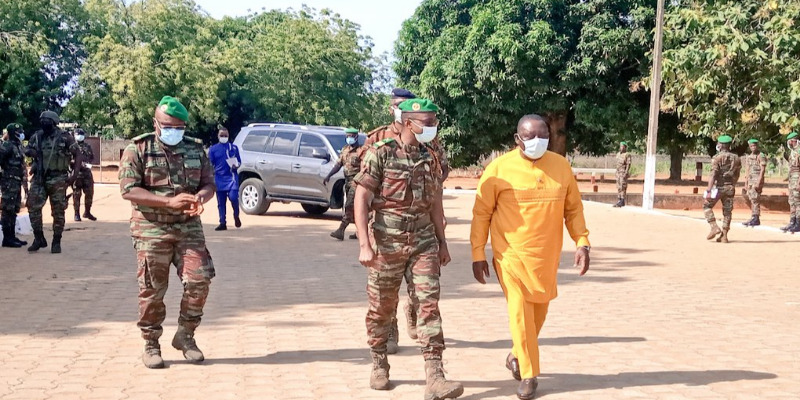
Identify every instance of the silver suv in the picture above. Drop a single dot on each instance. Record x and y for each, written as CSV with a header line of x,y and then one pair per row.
x,y
287,163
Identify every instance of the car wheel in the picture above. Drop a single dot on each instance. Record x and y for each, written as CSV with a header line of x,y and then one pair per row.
x,y
314,209
252,197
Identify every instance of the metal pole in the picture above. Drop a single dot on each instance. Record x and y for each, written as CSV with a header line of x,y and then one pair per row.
x,y
648,194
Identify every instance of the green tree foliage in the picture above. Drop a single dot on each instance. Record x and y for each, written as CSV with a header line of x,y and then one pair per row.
x,y
488,62
732,67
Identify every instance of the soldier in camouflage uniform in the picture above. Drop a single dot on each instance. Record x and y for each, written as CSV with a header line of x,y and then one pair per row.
x,y
756,167
794,183
85,181
623,173
53,151
349,159
167,177
400,182
12,165
725,170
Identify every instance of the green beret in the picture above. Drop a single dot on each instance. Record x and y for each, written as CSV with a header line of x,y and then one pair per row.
x,y
753,141
623,144
792,135
172,107
13,127
418,105
724,139
351,130
50,115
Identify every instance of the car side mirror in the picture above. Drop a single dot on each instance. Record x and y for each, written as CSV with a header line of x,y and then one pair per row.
x,y
321,154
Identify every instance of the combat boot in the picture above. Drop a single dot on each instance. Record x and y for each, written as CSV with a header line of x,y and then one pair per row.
x,y
391,346
379,379
436,386
184,341
749,222
77,216
39,242
723,238
756,221
792,222
152,355
796,227
88,215
714,231
9,240
619,203
56,247
622,202
339,233
411,321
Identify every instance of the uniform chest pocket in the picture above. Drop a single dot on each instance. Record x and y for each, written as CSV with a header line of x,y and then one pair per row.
x,y
424,184
395,185
156,172
193,170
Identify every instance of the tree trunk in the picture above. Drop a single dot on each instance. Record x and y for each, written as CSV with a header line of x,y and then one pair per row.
x,y
558,132
675,163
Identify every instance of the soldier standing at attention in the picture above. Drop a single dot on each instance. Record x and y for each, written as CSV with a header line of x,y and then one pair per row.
x,y
756,167
399,181
53,151
725,170
794,183
350,160
167,177
85,181
12,165
623,173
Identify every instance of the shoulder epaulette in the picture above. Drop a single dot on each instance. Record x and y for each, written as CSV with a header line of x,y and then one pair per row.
x,y
142,137
192,140
383,142
374,131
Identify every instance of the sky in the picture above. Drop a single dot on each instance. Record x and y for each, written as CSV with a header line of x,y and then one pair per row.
x,y
379,19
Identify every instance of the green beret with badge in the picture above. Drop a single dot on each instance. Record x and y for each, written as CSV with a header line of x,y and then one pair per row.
x,y
172,107
753,141
725,139
13,127
351,131
792,135
418,105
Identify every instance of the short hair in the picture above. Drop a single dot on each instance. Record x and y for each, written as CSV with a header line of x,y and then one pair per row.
x,y
531,118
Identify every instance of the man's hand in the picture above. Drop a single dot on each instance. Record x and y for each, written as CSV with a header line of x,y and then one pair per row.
x,y
444,254
182,201
582,260
480,269
366,256
71,179
326,180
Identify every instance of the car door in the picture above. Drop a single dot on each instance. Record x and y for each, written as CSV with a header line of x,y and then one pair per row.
x,y
309,170
253,150
280,159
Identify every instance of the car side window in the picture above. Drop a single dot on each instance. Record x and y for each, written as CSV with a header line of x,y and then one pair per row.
x,y
256,141
309,143
283,144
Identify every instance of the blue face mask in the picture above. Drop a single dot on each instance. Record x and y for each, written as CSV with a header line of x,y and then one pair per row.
x,y
351,141
171,136
21,137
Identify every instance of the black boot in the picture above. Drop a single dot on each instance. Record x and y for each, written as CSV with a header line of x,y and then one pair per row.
x,y
9,239
77,216
221,227
39,242
796,227
56,247
749,222
756,221
619,203
237,222
622,202
339,233
88,215
792,223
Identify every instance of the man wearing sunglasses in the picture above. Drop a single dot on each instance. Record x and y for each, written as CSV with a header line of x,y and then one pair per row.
x,y
167,177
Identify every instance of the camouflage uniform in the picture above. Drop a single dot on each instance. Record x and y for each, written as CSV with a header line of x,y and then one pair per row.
x,y
725,168
12,164
84,181
58,150
163,236
350,161
755,163
623,171
405,183
794,182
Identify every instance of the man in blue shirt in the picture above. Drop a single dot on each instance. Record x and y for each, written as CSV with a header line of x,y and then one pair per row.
x,y
226,160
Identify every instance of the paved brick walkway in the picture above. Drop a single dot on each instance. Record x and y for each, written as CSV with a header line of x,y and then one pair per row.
x,y
662,315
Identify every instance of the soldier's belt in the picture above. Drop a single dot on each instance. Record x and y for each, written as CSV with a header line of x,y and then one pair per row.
x,y
408,224
163,218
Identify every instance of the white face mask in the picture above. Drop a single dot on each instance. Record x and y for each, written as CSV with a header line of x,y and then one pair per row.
x,y
398,115
535,148
719,148
79,138
428,133
223,139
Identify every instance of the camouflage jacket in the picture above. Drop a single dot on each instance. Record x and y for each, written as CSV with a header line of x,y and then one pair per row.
x,y
725,168
12,161
794,161
402,178
623,163
164,171
754,164
58,151
390,132
349,160
88,156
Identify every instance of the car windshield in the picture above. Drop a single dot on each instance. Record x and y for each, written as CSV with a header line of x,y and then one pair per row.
x,y
338,141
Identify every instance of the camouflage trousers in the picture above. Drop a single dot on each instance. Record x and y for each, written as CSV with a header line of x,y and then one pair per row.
x,y
54,188
725,195
754,195
413,256
794,194
9,203
85,184
158,246
622,185
349,201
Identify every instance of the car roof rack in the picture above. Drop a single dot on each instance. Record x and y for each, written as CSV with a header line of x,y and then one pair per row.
x,y
277,125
